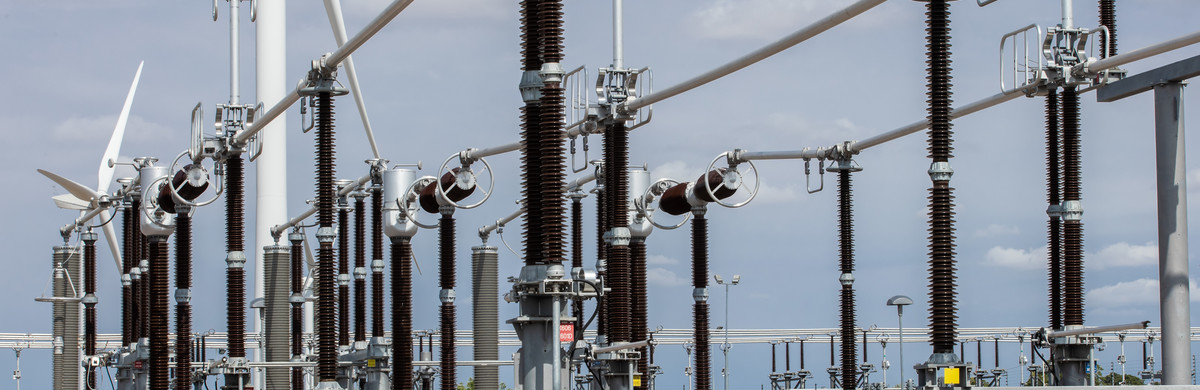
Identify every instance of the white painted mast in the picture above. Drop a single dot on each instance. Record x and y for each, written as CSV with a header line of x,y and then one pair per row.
x,y
271,165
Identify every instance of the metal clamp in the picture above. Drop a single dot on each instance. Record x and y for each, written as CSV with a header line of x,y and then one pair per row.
x,y
807,173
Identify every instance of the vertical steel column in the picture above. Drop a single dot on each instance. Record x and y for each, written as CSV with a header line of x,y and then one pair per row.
x,y
1172,233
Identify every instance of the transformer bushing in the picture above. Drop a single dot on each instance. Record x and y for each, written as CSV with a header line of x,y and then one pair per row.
x,y
485,314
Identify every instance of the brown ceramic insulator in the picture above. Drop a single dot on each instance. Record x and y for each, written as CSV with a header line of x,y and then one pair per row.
x,y
377,253
601,253
402,313
343,250
942,282
715,182
327,326
360,261
89,309
700,309
429,194
235,228
846,266
531,157
1054,197
637,278
1108,18
674,200
1073,230
939,78
142,298
446,279
297,325
943,305
402,345
550,30
529,36
577,260
183,310
185,190
616,162
552,189
127,221
160,312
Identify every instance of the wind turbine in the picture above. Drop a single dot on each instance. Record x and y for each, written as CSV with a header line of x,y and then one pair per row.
x,y
97,202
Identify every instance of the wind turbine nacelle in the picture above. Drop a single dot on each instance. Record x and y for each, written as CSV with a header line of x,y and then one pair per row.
x,y
154,220
454,188
395,181
190,182
639,181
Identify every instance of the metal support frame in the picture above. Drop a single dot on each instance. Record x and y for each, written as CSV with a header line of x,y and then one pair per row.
x,y
1167,83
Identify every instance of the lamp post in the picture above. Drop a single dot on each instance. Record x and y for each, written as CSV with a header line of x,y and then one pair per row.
x,y
725,346
899,302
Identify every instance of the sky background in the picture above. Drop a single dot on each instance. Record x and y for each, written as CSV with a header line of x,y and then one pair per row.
x,y
442,77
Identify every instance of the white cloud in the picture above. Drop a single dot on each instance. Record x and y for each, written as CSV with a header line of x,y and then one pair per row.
x,y
440,9
1122,254
664,277
760,19
677,170
661,260
1016,258
997,230
1137,292
100,128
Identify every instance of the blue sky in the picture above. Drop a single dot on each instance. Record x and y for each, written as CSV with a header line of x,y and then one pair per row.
x,y
442,77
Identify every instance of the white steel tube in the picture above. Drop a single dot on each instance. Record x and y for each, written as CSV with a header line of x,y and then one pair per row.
x,y
271,165
914,127
1172,233
1139,54
618,347
278,229
577,183
618,36
792,39
234,80
1098,329
492,151
1068,12
502,221
333,8
555,322
334,59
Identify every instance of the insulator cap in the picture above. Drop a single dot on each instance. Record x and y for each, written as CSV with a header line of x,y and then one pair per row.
x,y
429,195
191,182
716,181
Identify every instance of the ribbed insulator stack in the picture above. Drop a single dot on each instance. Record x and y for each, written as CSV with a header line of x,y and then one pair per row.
x,y
577,259
1108,18
160,312
700,308
616,140
377,254
343,251
297,324
276,315
127,263
602,218
1072,227
942,279
446,277
637,278
485,314
327,326
1054,200
846,266
143,289
402,367
89,308
235,230
183,308
360,263
66,367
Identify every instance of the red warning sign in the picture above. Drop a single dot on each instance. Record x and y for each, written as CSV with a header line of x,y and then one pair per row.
x,y
566,332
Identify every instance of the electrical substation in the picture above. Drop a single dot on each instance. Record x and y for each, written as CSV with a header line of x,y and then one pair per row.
x,y
333,295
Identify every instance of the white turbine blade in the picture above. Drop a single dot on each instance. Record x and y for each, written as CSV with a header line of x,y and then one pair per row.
x,y
114,144
79,190
110,235
333,8
308,254
69,202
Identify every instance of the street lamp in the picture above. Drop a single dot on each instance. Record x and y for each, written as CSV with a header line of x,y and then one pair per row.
x,y
899,302
725,347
